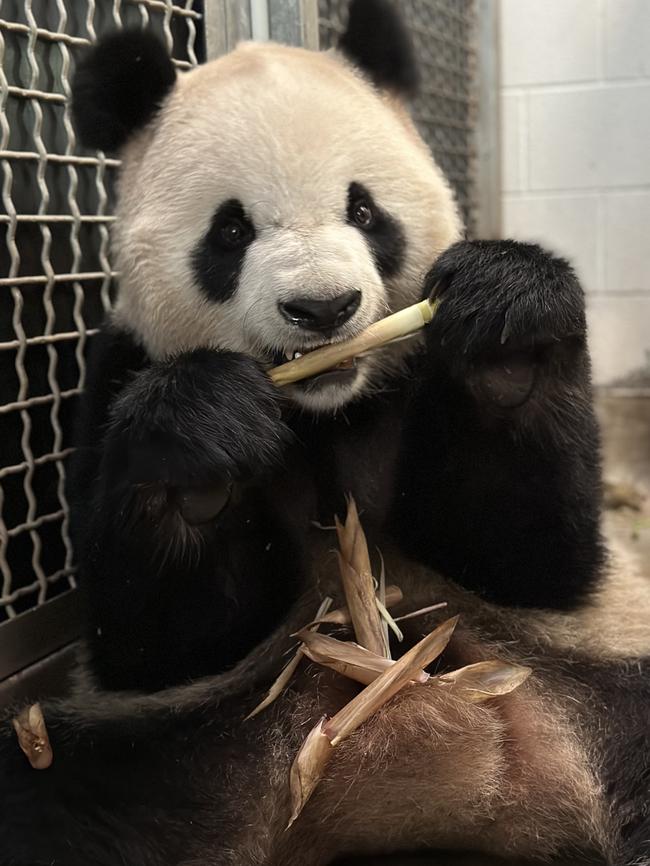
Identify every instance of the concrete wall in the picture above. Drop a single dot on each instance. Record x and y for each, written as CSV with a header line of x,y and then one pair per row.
x,y
575,111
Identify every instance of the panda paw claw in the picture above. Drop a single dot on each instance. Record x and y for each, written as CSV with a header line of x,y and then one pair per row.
x,y
500,297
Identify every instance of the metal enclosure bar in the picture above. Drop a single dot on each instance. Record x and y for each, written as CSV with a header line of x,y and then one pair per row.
x,y
487,132
294,22
227,22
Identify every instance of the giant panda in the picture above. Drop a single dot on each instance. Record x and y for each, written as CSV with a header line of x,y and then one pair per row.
x,y
272,201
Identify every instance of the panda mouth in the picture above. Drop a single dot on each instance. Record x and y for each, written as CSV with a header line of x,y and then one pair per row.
x,y
279,357
344,371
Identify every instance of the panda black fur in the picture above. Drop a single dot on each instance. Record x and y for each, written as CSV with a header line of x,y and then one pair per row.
x,y
472,452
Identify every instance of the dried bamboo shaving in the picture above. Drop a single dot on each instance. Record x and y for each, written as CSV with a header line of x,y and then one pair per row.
x,y
484,680
290,668
388,623
358,583
387,620
421,611
348,658
341,616
401,324
33,738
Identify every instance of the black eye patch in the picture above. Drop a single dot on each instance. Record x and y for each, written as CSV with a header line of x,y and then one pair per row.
x,y
383,232
218,257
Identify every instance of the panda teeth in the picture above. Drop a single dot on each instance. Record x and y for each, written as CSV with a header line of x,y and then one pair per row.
x,y
297,355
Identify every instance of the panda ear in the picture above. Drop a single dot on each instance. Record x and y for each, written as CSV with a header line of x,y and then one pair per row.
x,y
377,42
118,87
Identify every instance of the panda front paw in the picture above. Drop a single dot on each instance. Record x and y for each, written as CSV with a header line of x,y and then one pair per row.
x,y
507,309
198,423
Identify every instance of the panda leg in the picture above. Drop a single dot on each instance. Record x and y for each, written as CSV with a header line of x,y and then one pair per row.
x,y
500,479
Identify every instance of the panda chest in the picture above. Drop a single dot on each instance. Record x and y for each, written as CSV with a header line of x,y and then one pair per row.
x,y
337,460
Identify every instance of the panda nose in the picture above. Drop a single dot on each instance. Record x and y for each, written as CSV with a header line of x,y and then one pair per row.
x,y
318,315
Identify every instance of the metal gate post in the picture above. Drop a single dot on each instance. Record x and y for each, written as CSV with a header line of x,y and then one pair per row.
x,y
227,22
487,138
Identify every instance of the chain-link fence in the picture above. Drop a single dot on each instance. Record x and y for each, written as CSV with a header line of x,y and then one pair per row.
x,y
56,276
443,33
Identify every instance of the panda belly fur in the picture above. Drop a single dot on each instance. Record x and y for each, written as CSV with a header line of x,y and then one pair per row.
x,y
245,214
558,767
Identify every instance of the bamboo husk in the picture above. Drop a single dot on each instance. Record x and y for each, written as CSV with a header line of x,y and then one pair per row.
x,y
307,768
348,658
33,738
484,680
367,702
401,324
387,622
358,583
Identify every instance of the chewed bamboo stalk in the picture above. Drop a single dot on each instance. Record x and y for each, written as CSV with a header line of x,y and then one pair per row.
x,y
33,738
401,324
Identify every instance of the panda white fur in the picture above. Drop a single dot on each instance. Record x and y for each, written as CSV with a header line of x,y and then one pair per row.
x,y
271,201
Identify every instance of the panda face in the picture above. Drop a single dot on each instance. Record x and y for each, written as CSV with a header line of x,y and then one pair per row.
x,y
277,203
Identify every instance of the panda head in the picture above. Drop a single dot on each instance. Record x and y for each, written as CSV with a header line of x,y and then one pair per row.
x,y
272,200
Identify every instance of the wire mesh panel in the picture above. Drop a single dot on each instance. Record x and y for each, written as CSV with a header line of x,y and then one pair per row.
x,y
443,33
56,276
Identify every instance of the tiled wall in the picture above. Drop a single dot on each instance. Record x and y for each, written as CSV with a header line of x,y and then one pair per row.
x,y
575,78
